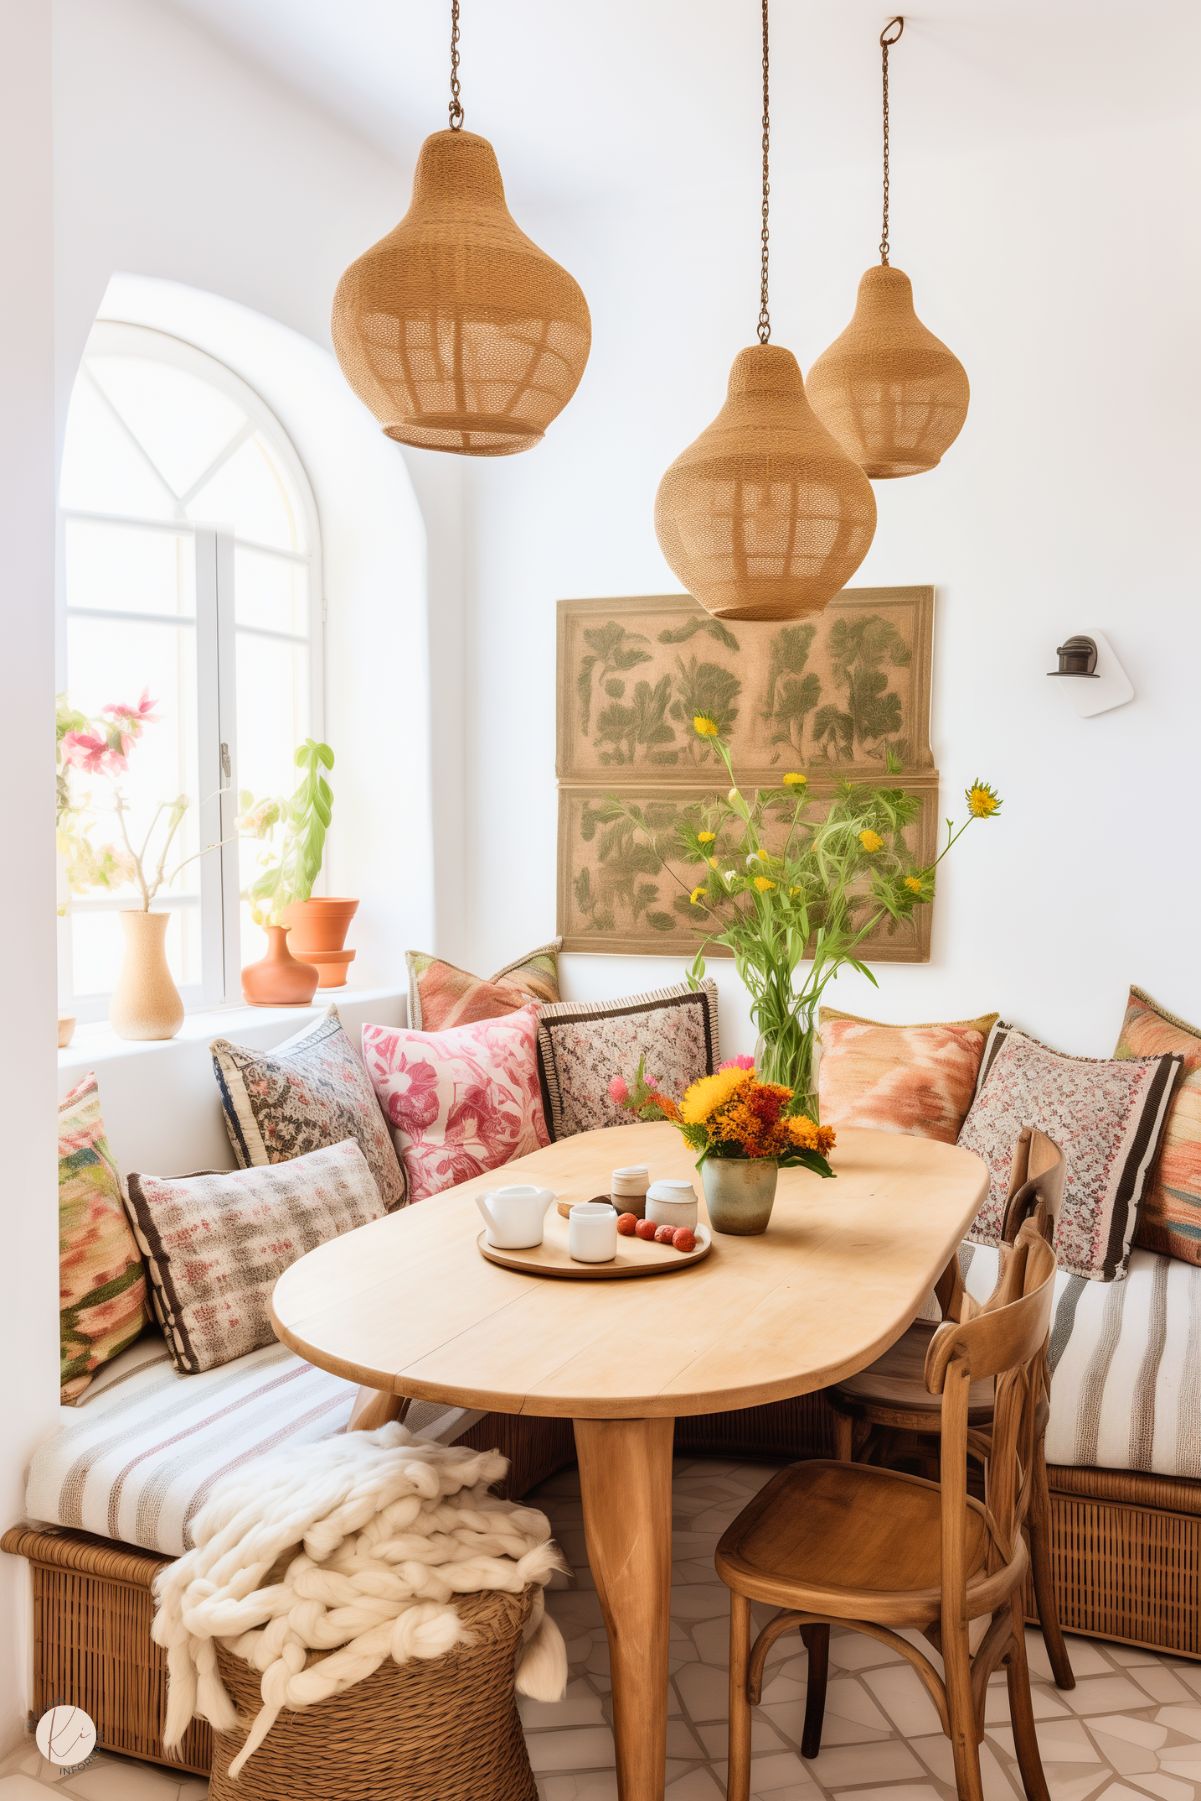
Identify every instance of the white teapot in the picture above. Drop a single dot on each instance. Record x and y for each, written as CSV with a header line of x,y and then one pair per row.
x,y
514,1215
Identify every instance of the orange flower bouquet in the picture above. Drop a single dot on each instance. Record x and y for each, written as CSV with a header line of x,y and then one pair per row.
x,y
743,1130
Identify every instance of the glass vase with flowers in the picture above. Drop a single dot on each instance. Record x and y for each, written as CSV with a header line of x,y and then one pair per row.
x,y
794,889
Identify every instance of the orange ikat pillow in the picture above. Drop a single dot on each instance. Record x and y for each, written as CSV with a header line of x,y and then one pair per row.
x,y
916,1079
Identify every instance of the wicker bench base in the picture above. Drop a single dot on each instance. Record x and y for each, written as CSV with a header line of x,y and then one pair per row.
x,y
1127,1552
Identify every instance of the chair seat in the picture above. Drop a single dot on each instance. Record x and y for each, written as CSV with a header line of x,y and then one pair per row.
x,y
846,1540
896,1382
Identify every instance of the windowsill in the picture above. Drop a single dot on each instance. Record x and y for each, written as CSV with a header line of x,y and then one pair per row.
x,y
97,1042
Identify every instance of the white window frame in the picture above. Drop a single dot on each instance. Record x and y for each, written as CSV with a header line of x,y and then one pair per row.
x,y
214,545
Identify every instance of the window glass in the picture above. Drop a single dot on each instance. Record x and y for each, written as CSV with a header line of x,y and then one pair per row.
x,y
250,494
181,422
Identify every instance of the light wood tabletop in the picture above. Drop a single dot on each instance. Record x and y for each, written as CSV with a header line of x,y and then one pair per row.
x,y
409,1307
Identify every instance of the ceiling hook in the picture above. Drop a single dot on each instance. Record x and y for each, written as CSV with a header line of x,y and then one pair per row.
x,y
884,37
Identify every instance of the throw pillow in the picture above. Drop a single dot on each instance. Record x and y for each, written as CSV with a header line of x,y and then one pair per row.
x,y
459,1102
1107,1117
102,1285
584,1046
216,1244
1170,1217
440,995
307,1093
915,1079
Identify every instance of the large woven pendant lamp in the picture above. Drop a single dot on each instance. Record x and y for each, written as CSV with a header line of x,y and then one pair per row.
x,y
455,329
889,390
764,516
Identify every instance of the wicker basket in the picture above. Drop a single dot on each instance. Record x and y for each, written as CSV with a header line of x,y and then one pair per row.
x,y
443,1729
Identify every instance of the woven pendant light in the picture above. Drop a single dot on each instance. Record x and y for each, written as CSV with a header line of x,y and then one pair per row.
x,y
455,329
764,516
891,392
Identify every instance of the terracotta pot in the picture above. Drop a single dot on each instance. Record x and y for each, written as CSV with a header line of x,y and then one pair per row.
x,y
145,1002
331,966
279,979
318,924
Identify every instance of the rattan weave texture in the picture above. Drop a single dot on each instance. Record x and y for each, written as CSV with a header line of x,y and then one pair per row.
x,y
765,516
442,1729
456,330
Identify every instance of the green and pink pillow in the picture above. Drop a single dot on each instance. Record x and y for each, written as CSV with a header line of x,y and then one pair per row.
x,y
102,1284
441,995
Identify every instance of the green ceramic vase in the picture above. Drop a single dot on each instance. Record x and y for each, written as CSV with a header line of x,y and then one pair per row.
x,y
739,1192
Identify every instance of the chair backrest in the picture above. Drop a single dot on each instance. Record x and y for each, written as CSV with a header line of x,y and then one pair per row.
x,y
1036,1181
1006,1340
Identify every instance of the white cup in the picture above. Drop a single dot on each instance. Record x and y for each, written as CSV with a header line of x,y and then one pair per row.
x,y
592,1232
672,1204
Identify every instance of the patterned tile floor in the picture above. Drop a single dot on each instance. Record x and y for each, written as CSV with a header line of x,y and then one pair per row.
x,y
1129,1731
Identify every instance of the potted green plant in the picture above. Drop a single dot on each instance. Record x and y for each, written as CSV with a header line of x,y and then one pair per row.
x,y
301,927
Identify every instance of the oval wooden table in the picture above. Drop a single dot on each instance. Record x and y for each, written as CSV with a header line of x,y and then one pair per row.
x,y
408,1306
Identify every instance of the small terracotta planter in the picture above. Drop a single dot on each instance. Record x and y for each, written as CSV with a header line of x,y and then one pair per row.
x,y
279,979
318,924
331,966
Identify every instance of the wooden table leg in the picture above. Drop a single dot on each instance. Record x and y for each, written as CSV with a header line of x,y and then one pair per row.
x,y
376,1407
625,1484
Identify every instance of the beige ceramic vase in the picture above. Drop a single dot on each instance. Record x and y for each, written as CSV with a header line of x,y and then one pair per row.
x,y
279,979
146,1002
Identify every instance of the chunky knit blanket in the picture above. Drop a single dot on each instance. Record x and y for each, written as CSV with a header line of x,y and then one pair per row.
x,y
317,1562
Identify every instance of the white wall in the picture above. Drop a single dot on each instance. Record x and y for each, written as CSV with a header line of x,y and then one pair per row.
x,y
1065,277
28,1318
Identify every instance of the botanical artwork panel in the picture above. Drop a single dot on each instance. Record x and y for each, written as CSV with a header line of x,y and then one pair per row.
x,y
844,696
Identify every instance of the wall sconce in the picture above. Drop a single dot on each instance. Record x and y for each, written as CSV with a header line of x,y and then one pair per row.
x,y
1088,658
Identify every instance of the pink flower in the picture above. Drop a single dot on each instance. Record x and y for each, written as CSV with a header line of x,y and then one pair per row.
x,y
738,1063
619,1091
133,718
91,753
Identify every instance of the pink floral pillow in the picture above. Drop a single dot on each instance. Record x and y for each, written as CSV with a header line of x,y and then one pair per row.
x,y
458,1102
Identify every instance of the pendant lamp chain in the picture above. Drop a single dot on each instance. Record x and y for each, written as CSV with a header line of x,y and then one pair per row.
x,y
456,104
764,314
886,42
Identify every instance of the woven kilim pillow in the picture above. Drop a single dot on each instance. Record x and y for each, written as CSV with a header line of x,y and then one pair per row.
x,y
1170,1217
914,1079
102,1283
1106,1115
440,995
216,1244
583,1045
307,1093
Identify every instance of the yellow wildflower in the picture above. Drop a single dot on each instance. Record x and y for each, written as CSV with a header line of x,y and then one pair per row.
x,y
704,726
697,895
871,841
705,837
982,800
913,883
709,1093
763,883
712,862
794,779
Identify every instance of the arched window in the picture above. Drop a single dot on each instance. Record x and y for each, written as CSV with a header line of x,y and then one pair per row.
x,y
190,570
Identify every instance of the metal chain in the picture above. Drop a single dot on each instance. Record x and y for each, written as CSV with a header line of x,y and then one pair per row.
x,y
885,43
456,104
764,315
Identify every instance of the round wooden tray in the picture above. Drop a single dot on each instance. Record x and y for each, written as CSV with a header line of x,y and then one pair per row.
x,y
634,1256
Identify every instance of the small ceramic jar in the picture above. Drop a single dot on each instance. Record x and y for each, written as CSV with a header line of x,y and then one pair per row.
x,y
592,1232
672,1204
627,1189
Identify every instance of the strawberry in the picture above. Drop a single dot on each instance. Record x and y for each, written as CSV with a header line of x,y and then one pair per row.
x,y
684,1238
626,1222
645,1228
665,1234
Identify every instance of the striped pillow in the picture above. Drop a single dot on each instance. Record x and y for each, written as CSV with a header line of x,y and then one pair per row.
x,y
914,1079
102,1284
441,996
1106,1116
1170,1217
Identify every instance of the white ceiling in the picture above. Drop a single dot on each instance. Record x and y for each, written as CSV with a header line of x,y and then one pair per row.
x,y
621,96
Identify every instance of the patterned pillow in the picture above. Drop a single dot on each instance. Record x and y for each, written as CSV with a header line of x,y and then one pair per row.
x,y
309,1092
102,1285
215,1245
1170,1217
1107,1118
459,1102
441,996
583,1046
915,1079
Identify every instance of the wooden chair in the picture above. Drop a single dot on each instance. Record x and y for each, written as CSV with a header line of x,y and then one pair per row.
x,y
876,1550
890,1397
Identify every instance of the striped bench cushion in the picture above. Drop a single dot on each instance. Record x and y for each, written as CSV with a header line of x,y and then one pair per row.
x,y
1125,1365
136,1458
